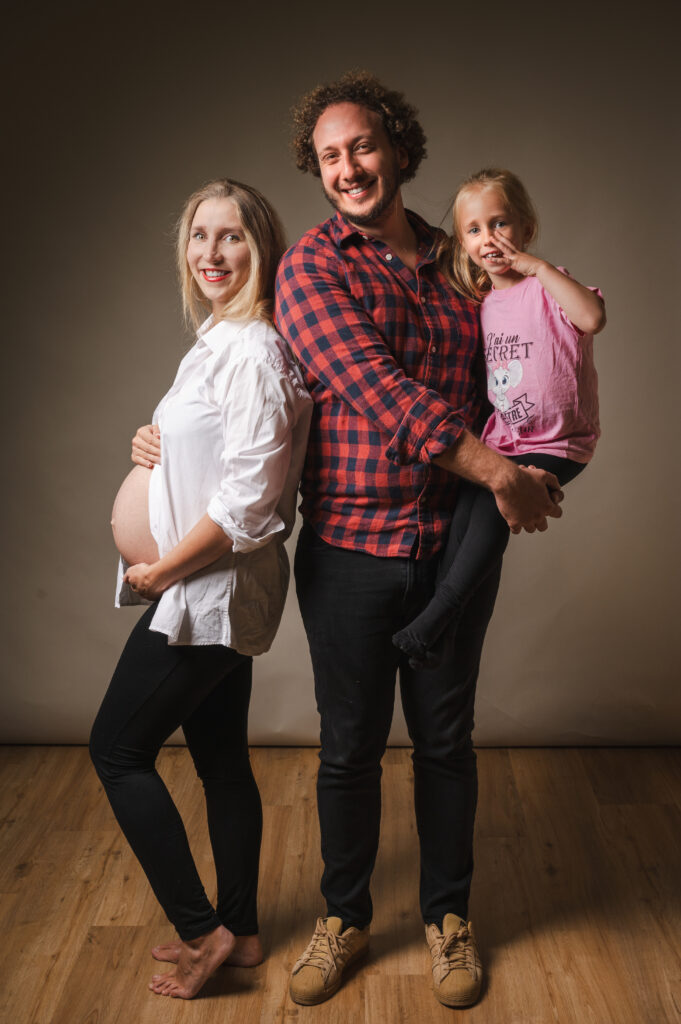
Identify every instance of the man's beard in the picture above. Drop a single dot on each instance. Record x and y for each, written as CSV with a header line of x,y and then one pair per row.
x,y
362,220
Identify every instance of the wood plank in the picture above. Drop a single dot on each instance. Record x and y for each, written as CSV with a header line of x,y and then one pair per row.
x,y
623,775
500,810
505,936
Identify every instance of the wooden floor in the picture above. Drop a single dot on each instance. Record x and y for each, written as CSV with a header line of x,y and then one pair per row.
x,y
577,895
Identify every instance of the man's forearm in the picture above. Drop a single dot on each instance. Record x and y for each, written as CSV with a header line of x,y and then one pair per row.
x,y
474,461
524,497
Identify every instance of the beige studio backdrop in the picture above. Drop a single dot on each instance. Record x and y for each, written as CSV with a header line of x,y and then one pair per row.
x,y
116,114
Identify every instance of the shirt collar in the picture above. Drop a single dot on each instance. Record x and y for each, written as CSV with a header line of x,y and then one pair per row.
x,y
206,326
216,333
342,232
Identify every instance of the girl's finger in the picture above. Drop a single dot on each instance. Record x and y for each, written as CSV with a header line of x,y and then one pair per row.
x,y
503,242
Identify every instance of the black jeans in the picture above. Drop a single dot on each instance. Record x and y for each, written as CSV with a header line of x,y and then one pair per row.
x,y
351,604
156,688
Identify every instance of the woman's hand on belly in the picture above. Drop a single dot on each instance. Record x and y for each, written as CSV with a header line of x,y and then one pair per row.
x,y
146,580
146,446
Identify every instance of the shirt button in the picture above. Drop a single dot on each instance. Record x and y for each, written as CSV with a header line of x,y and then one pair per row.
x,y
388,256
433,348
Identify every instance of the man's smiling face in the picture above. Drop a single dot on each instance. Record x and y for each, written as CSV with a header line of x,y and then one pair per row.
x,y
360,167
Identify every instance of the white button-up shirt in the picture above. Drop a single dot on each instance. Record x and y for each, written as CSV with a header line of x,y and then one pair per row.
x,y
234,429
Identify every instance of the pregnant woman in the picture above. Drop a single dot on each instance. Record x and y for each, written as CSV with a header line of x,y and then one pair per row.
x,y
200,531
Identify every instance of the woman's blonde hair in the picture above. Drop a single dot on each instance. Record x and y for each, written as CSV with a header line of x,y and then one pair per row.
x,y
469,279
266,244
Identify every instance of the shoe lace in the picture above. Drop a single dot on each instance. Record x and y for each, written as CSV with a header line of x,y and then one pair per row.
x,y
451,952
324,945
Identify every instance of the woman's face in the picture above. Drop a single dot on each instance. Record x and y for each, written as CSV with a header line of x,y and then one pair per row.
x,y
217,252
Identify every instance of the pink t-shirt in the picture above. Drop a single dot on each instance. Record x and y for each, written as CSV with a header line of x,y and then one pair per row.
x,y
540,375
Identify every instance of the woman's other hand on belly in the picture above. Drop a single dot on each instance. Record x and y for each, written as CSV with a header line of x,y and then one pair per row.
x,y
146,446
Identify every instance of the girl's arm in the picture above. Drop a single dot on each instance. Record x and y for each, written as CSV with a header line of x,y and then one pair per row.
x,y
204,543
584,308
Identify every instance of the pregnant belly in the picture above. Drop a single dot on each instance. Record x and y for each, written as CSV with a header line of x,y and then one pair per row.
x,y
130,518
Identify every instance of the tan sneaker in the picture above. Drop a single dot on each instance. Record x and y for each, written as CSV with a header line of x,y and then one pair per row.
x,y
318,974
457,971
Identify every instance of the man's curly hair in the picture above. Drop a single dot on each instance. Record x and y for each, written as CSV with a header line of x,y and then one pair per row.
x,y
362,88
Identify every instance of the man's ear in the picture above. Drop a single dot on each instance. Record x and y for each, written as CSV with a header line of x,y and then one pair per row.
x,y
402,157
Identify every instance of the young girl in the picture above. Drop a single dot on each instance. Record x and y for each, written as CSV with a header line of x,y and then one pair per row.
x,y
537,327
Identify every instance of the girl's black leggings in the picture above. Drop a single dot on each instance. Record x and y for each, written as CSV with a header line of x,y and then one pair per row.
x,y
477,540
155,689
479,534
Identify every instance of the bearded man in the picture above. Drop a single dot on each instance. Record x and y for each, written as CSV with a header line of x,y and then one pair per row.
x,y
389,354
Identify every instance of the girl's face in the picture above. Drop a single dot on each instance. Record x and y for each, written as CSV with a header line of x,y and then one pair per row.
x,y
481,212
217,252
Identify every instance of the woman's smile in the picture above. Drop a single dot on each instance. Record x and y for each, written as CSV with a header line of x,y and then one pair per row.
x,y
213,276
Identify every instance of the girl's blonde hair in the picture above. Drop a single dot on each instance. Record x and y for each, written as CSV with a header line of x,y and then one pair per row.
x,y
266,244
468,279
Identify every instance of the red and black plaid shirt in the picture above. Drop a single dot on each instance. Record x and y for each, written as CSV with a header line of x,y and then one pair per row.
x,y
389,357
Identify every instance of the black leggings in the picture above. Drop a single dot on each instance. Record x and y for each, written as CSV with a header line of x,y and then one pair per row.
x,y
156,688
477,540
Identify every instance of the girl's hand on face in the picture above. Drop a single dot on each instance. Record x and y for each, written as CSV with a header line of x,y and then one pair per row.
x,y
522,262
146,446
142,579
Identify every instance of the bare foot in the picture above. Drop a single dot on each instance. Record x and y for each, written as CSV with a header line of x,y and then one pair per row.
x,y
197,960
247,952
168,953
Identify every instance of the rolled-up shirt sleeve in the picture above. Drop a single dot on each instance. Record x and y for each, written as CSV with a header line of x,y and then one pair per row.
x,y
258,406
340,346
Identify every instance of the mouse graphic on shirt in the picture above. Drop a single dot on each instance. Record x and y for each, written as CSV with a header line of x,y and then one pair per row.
x,y
502,378
514,411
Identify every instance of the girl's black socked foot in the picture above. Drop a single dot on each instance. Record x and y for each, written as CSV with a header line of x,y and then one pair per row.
x,y
420,656
408,643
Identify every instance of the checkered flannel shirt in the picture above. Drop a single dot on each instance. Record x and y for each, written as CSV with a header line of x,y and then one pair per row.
x,y
389,357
